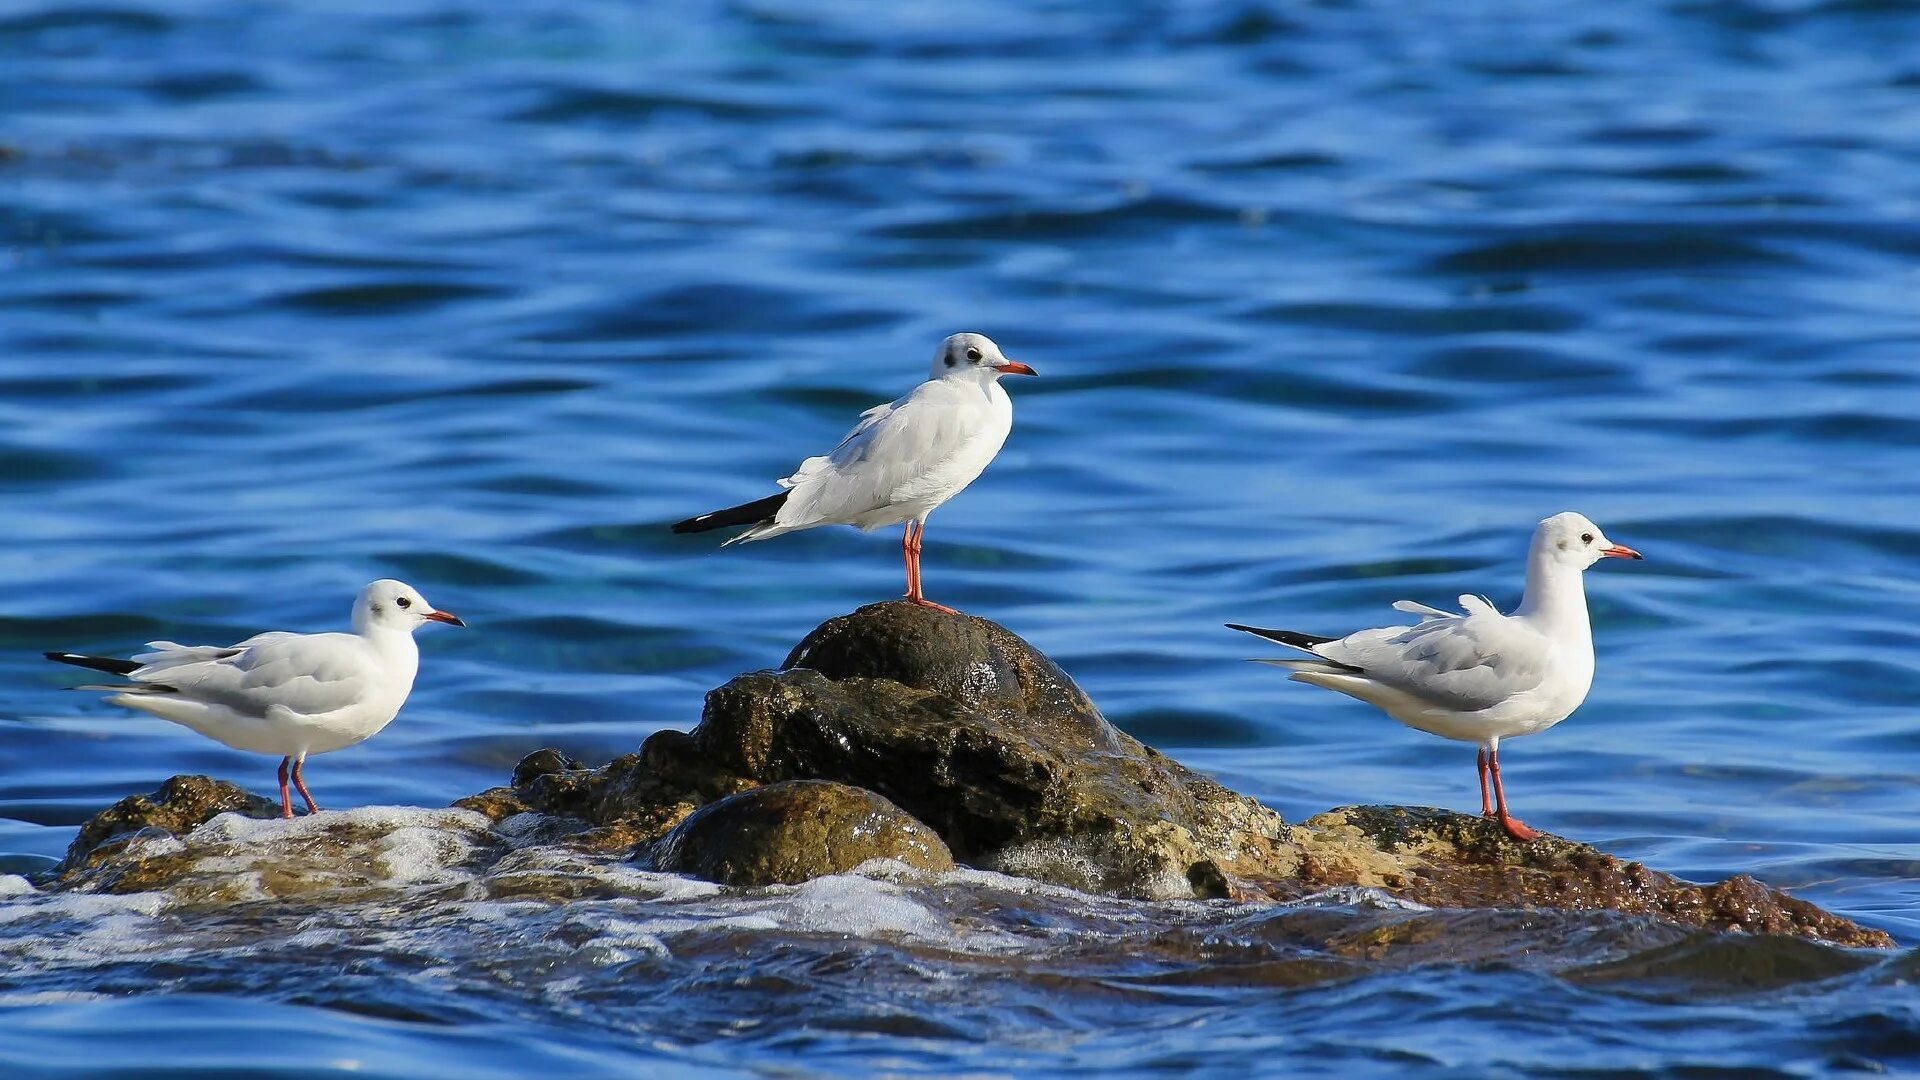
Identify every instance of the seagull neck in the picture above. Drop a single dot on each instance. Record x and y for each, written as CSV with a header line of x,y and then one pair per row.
x,y
1556,595
387,639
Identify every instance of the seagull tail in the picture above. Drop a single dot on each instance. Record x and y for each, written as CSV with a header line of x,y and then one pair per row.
x,y
1303,642
110,665
758,512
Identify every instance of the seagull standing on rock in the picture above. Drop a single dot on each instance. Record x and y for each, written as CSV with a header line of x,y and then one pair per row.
x,y
282,693
1478,676
900,463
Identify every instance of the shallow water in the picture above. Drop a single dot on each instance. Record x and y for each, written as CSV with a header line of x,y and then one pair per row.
x,y
1330,303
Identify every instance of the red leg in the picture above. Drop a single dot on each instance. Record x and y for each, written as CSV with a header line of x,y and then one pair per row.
x,y
906,553
301,783
914,531
286,797
1486,801
1516,829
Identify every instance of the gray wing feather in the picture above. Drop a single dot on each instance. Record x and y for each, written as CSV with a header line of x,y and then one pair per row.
x,y
878,462
308,674
1464,662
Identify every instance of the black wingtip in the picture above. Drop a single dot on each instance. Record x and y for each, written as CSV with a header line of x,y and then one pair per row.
x,y
752,513
110,665
1284,637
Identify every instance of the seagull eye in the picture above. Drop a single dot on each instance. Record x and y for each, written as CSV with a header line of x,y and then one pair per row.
x,y
1586,538
404,602
973,353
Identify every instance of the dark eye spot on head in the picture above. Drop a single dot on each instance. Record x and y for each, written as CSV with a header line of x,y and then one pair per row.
x,y
1586,538
404,602
950,360
973,353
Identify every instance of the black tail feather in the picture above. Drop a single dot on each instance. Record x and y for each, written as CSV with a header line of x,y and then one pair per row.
x,y
752,513
108,664
1284,637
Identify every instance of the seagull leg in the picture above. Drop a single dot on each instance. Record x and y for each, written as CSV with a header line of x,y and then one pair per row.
x,y
286,797
1486,801
1516,829
911,543
301,783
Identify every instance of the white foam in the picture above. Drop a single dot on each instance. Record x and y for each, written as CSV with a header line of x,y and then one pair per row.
x,y
1358,896
237,829
864,907
51,997
412,854
14,885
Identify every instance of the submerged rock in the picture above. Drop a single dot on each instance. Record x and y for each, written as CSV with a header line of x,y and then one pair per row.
x,y
787,833
902,733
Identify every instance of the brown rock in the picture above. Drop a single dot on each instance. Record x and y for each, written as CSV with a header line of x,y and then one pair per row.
x,y
1443,859
979,735
786,833
178,807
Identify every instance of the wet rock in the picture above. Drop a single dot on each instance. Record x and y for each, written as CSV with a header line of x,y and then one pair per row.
x,y
787,833
978,734
339,856
899,732
180,805
1444,859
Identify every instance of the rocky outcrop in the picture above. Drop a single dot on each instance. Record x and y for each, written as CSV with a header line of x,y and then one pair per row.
x,y
901,733
180,805
791,832
1443,859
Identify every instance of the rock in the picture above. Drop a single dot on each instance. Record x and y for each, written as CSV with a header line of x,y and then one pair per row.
x,y
783,834
180,805
1444,859
899,732
978,734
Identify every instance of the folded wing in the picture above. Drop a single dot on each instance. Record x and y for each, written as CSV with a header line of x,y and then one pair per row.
x,y
1465,662
306,674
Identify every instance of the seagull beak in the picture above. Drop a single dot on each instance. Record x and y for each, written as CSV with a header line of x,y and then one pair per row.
x,y
451,619
1619,551
1014,367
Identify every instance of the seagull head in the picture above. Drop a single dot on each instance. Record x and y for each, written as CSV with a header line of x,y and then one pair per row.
x,y
396,605
1571,539
974,356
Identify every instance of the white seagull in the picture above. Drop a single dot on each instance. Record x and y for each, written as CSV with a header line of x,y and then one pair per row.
x,y
283,693
1481,676
898,464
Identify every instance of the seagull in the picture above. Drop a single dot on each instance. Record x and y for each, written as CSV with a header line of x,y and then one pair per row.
x,y
1477,676
899,463
283,693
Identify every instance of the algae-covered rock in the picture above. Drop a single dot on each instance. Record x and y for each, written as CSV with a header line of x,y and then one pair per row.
x,y
787,833
899,732
1444,859
179,806
339,856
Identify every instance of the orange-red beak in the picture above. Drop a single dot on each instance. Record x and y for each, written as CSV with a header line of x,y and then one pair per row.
x,y
1619,551
451,619
1014,367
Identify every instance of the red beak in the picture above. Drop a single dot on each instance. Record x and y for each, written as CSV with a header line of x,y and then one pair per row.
x,y
1618,551
451,619
1014,367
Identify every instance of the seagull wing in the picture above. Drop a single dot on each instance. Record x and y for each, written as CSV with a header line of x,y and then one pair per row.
x,y
305,674
1465,662
879,462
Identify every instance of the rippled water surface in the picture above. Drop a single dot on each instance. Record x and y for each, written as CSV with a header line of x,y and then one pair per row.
x,y
1330,302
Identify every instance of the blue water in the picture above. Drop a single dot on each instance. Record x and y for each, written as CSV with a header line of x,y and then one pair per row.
x,y
1330,303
